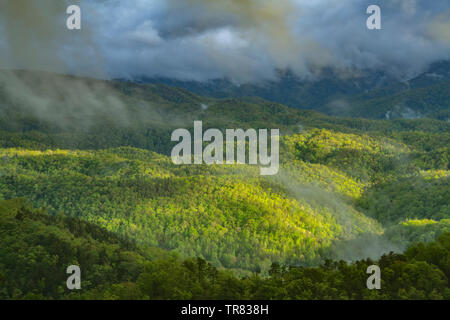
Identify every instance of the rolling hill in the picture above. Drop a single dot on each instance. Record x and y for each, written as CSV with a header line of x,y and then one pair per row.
x,y
364,94
105,162
36,248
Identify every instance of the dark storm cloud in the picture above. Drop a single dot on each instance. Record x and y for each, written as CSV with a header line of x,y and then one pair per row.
x,y
245,40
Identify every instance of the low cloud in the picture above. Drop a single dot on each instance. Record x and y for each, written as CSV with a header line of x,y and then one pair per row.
x,y
243,40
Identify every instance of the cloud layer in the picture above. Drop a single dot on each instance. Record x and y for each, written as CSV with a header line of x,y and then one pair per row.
x,y
244,40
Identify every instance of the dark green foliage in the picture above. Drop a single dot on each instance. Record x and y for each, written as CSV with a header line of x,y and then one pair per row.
x,y
347,189
37,248
367,95
417,197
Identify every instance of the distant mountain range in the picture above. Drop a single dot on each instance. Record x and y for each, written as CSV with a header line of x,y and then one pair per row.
x,y
368,94
98,151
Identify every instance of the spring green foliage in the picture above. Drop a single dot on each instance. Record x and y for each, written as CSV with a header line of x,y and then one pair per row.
x,y
347,189
329,183
229,216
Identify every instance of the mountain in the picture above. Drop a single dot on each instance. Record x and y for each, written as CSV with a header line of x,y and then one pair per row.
x,y
97,151
364,94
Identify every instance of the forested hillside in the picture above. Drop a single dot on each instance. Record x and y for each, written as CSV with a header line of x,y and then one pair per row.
x,y
94,155
229,216
36,248
365,94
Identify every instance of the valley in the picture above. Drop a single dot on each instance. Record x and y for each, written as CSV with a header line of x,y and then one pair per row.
x,y
347,189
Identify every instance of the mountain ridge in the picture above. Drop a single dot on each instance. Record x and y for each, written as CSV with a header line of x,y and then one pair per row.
x,y
329,92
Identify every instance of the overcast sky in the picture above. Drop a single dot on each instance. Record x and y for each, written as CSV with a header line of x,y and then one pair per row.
x,y
244,40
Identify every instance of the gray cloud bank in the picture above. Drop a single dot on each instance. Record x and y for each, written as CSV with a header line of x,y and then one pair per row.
x,y
244,40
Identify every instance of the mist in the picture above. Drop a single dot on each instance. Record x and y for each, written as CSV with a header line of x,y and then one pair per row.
x,y
75,104
355,241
